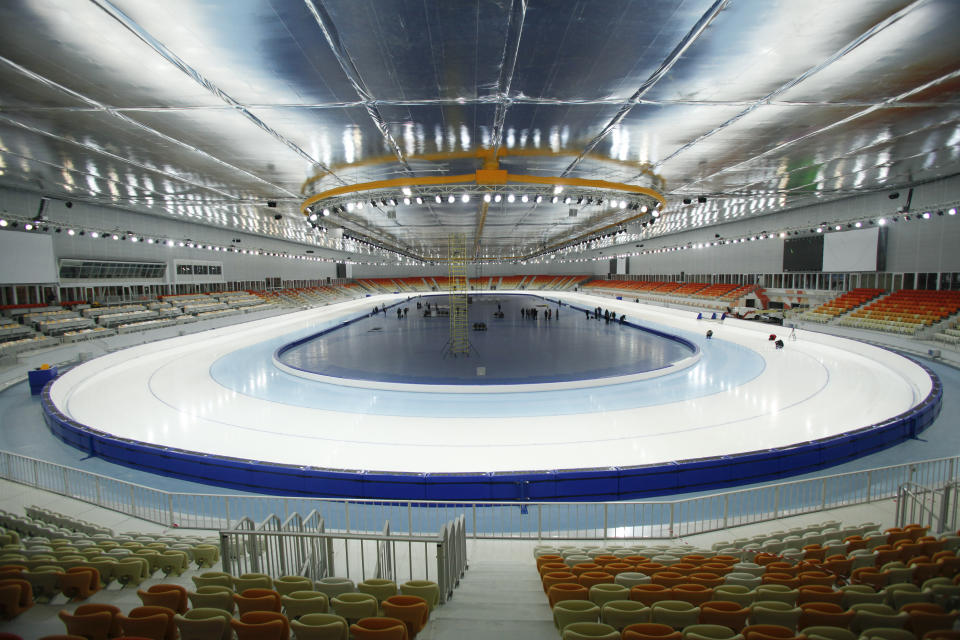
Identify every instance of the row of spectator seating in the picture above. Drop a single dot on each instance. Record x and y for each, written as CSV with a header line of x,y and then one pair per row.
x,y
729,591
840,305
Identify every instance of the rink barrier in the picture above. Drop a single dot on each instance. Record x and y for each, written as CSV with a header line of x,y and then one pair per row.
x,y
596,484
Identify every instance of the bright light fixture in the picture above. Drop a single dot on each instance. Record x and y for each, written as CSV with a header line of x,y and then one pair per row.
x,y
511,198
486,197
465,198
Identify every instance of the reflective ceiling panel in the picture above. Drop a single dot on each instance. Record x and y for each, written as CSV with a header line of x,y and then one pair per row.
x,y
207,110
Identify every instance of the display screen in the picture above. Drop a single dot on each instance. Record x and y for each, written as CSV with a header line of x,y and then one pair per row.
x,y
803,254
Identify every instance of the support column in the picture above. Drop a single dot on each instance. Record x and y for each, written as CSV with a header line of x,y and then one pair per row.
x,y
459,343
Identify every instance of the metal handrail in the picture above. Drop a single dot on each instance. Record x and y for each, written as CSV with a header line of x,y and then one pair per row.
x,y
936,507
658,519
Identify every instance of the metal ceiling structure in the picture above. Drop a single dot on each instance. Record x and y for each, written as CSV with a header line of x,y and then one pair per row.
x,y
209,110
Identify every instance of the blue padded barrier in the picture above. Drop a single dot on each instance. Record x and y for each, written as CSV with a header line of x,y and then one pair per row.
x,y
608,483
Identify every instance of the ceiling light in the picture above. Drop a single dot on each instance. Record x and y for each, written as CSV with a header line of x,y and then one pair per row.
x,y
511,198
28,227
133,238
567,200
858,224
70,232
882,221
3,222
837,228
465,198
149,240
819,229
643,208
94,234
349,206
497,198
623,204
451,199
557,190
326,212
437,199
419,200
554,199
406,200
655,213
486,197
115,237
540,199
383,202
406,191
926,215
783,235
952,211
393,202
312,217
524,198
359,204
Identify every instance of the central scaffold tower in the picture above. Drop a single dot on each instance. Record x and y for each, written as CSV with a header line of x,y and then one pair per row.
x,y
459,343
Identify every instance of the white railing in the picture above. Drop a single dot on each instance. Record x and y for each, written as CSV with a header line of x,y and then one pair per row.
x,y
650,519
936,507
302,547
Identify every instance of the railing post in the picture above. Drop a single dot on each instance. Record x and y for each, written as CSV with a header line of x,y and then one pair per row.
x,y
726,508
474,509
776,501
869,486
170,509
96,485
899,507
442,573
133,502
605,505
346,519
66,484
539,523
823,494
670,530
226,510
945,507
36,474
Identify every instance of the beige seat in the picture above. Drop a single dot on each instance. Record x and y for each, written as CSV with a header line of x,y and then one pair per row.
x,y
333,587
426,589
870,616
173,562
44,581
378,587
206,555
300,603
829,633
252,581
320,626
589,631
861,594
674,613
744,596
774,612
631,578
776,592
621,613
601,594
887,633
288,584
569,611
131,571
212,597
709,632
204,623
213,578
354,606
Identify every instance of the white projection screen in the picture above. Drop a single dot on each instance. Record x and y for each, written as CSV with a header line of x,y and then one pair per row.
x,y
27,258
851,250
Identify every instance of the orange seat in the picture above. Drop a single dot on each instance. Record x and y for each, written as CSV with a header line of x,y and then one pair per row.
x,y
566,591
668,578
814,552
650,568
94,607
931,545
924,569
695,594
16,596
838,565
583,567
650,593
763,558
79,583
683,568
727,614
558,577
378,629
724,559
694,559
541,560
257,600
716,568
926,617
614,568
636,560
171,596
909,550
824,614
706,579
551,567
885,553
821,578
590,578
818,593
769,632
779,566
855,543
949,566
781,578
870,576
92,626
605,559
262,625
413,611
149,621
649,631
